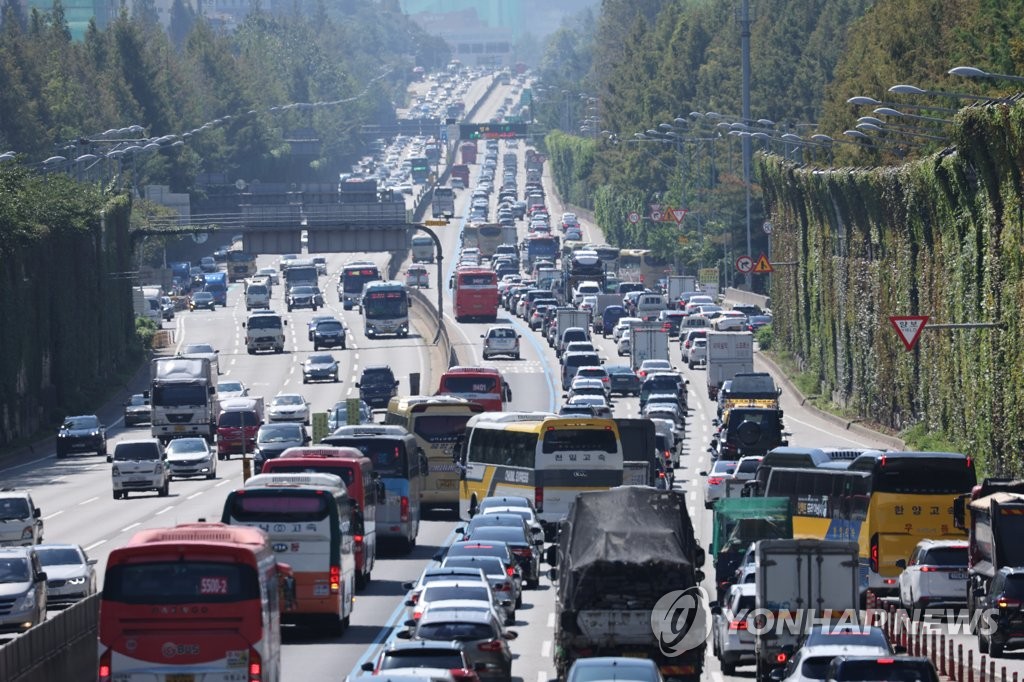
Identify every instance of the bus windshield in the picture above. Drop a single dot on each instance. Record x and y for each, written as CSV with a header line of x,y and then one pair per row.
x,y
388,456
180,582
254,507
386,304
570,440
445,428
470,384
917,476
171,395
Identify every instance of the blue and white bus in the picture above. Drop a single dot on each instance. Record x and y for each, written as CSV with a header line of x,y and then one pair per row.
x,y
385,309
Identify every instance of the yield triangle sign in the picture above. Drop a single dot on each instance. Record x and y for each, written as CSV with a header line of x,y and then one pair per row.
x,y
909,328
678,214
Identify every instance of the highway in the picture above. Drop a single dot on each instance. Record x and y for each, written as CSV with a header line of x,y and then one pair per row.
x,y
77,505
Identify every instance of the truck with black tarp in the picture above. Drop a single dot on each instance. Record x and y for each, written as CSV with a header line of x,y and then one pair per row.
x,y
619,552
996,526
739,521
641,465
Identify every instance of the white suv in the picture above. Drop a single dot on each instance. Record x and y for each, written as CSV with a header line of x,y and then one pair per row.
x,y
501,341
20,519
935,575
140,465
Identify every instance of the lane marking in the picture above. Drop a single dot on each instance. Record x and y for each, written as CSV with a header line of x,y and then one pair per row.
x,y
551,620
56,513
95,544
90,500
130,526
194,495
545,649
164,510
224,482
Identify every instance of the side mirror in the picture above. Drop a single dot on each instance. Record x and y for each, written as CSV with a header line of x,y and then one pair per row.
x,y
410,602
703,473
307,440
92,562
368,667
358,385
41,577
899,649
110,458
409,623
404,634
243,327
553,575
506,603
716,608
510,634
36,513
777,675
408,586
551,556
716,422
483,336
460,530
901,563
438,557
286,323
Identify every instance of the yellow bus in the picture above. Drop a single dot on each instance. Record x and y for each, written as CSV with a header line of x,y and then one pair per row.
x,y
643,265
540,456
438,423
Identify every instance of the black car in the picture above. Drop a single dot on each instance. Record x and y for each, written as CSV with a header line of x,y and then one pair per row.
x,y
664,382
377,385
623,380
524,549
881,669
1005,601
137,410
329,334
748,431
83,433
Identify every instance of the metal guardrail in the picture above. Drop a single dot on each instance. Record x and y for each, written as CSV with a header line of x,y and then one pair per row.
x,y
61,648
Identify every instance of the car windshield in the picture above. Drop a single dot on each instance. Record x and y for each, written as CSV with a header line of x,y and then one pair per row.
x,y
329,326
81,423
183,445
59,556
288,400
502,334
282,433
456,631
847,636
456,592
302,291
376,378
490,565
423,658
229,387
138,400
14,508
136,452
946,556
14,570
321,359
197,348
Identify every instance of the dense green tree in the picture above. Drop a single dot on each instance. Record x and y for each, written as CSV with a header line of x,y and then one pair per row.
x,y
183,18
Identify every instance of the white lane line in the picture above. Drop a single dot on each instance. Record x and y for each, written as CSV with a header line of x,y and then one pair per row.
x,y
545,649
164,510
50,516
57,479
95,544
91,499
224,482
357,356
194,495
130,526
551,620
542,676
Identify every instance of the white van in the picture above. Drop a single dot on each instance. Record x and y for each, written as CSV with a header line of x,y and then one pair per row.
x,y
139,465
264,331
649,306
257,296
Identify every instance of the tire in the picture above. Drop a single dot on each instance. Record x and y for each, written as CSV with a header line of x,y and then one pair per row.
x,y
305,380
166,490
279,349
728,668
316,347
995,650
516,356
343,346
982,644
748,433
519,601
211,476
117,495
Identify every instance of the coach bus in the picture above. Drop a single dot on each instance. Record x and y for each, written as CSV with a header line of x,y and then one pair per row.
x,y
484,386
354,276
364,488
419,169
540,456
438,423
241,265
475,295
470,238
609,256
211,591
385,309
642,265
489,237
308,518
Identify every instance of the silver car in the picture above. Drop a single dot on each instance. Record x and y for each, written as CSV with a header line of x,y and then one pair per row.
x,y
482,637
70,573
23,588
501,341
732,639
191,457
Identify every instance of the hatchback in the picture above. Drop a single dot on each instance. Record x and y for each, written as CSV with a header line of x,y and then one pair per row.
x,y
501,341
479,633
715,485
698,353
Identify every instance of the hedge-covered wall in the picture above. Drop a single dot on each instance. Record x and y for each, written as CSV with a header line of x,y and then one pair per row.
x,y
942,237
67,321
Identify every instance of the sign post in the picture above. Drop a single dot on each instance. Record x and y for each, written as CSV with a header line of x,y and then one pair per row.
x,y
909,328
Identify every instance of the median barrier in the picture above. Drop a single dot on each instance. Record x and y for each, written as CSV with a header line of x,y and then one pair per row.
x,y
61,648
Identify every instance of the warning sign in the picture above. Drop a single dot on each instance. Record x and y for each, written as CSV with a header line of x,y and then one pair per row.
x,y
678,214
762,266
909,327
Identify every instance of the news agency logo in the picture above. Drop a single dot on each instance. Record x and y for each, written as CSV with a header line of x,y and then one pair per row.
x,y
681,620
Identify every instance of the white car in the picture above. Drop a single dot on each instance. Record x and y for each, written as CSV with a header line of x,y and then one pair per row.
x,y
596,372
231,389
600,405
935,575
714,486
272,273
729,321
624,324
732,639
625,340
288,407
587,386
652,366
698,353
191,457
502,340
462,592
811,661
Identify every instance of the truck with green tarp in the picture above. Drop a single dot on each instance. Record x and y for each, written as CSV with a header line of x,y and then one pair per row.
x,y
739,521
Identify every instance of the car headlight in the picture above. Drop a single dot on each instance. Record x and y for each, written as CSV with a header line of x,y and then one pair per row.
x,y
27,601
157,468
62,434
95,433
80,580
115,471
26,534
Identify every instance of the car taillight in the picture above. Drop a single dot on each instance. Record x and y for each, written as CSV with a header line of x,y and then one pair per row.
x,y
358,539
538,499
885,661
874,552
668,455
510,571
737,625
416,615
335,579
1005,603
415,598
103,671
523,552
715,480
403,514
493,645
781,657
928,569
255,666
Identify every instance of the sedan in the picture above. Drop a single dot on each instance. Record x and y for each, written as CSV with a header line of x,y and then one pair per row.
x,y
480,633
623,380
208,264
321,367
189,457
651,366
597,402
519,538
715,485
317,319
302,297
70,573
202,299
288,407
137,410
275,279
231,389
83,433
608,667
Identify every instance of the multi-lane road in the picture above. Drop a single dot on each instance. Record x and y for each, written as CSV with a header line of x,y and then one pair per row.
x,y
75,494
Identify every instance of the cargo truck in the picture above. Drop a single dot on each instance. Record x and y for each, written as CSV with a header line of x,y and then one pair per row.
x,y
183,398
603,302
740,521
643,464
566,318
647,342
619,552
800,583
678,285
238,424
729,354
995,526
217,284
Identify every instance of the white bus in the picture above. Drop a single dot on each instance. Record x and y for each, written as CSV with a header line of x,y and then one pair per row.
x,y
540,456
309,520
385,309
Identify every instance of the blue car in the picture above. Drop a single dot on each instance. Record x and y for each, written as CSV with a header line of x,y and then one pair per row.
x,y
611,316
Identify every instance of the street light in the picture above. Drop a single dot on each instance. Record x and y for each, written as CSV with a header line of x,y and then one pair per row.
x,y
974,72
914,90
889,111
861,100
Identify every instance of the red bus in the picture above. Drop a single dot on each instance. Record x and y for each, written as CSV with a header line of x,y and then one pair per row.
x,y
484,386
476,294
468,152
461,171
365,489
196,601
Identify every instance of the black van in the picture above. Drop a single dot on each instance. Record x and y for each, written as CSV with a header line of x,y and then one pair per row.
x,y
377,385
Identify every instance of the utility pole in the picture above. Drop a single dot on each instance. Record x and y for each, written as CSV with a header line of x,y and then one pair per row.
x,y
747,149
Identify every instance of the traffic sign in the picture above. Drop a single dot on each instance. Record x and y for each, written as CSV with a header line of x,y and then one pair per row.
x,y
678,214
744,264
909,327
633,217
767,227
683,240
656,216
762,267
666,214
655,207
435,223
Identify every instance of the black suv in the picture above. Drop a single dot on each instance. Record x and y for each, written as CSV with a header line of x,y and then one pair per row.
x,y
377,385
1005,601
329,334
748,431
83,433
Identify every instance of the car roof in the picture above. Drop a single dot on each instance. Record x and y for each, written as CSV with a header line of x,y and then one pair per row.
x,y
407,645
458,615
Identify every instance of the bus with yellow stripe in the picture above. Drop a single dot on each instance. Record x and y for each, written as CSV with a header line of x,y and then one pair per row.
x,y
438,423
540,456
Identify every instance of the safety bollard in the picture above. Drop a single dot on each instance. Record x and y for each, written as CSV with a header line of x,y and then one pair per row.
x,y
960,662
992,671
970,665
942,654
981,669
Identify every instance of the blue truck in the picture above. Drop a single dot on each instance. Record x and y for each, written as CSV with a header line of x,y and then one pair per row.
x,y
217,284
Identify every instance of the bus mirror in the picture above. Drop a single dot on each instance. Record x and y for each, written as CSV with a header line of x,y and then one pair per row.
x,y
901,563
699,576
243,325
699,559
368,667
381,491
110,459
285,322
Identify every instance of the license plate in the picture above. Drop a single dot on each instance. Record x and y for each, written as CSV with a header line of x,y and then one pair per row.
x,y
321,590
179,429
958,576
180,677
445,485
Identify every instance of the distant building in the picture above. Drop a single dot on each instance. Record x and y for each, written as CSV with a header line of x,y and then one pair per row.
x,y
79,13
479,33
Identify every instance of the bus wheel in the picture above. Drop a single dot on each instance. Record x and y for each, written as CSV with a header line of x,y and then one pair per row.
x,y
361,580
337,625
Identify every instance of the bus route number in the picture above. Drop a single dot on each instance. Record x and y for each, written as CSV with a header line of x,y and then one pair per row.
x,y
213,586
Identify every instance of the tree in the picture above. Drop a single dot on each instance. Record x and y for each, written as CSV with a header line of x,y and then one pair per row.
x,y
183,18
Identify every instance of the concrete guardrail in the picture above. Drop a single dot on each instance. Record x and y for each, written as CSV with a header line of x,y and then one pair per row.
x,y
61,648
